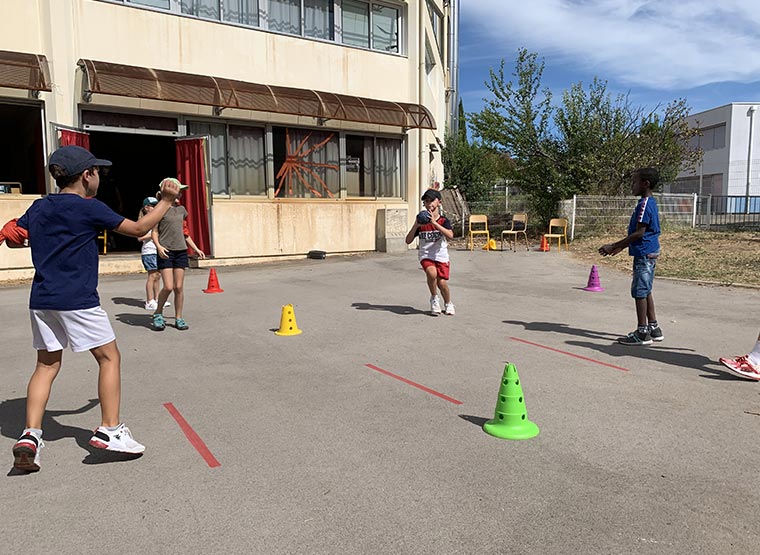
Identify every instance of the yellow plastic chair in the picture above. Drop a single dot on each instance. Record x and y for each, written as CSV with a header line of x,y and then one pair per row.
x,y
555,225
519,225
474,226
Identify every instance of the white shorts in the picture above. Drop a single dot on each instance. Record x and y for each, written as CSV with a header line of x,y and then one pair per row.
x,y
85,329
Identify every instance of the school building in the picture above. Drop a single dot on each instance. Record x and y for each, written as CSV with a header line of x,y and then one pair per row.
x,y
298,124
730,169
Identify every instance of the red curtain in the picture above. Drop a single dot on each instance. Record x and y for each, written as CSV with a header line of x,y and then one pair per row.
x,y
191,170
68,137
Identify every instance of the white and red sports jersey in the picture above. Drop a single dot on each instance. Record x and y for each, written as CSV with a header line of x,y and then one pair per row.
x,y
433,244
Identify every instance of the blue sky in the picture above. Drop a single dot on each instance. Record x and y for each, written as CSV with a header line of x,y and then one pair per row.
x,y
707,52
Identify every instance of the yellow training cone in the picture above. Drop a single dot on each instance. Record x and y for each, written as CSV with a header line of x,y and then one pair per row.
x,y
490,245
288,324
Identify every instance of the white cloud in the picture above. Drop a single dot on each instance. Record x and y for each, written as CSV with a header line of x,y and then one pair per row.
x,y
662,44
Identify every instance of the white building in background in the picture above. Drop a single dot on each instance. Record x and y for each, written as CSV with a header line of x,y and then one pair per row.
x,y
317,123
731,165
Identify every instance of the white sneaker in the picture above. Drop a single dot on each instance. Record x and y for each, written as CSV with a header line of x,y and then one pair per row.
x,y
167,303
435,305
450,309
119,440
151,304
26,453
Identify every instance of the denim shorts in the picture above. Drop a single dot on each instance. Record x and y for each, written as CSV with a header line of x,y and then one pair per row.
x,y
177,259
150,262
643,276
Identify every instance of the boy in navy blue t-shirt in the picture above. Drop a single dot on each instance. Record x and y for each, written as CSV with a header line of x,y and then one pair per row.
x,y
64,305
644,246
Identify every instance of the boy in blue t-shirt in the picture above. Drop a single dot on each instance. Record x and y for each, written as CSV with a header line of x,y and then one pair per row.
x,y
644,246
64,305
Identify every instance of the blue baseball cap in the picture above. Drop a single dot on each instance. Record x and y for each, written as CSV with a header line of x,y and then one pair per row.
x,y
150,201
75,159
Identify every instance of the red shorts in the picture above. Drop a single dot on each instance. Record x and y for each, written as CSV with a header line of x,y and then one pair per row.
x,y
442,268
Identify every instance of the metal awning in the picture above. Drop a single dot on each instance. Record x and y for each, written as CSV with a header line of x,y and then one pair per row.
x,y
19,70
158,84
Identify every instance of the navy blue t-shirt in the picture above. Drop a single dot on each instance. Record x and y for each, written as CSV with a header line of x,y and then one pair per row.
x,y
63,232
645,213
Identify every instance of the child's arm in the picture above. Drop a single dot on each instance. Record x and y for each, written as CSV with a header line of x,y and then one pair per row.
x,y
412,233
147,236
133,228
613,248
192,244
434,215
162,252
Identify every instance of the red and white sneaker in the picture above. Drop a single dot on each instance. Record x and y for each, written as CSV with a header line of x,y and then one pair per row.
x,y
26,453
119,440
742,367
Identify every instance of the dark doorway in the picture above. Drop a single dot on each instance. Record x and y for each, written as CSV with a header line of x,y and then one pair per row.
x,y
23,166
140,162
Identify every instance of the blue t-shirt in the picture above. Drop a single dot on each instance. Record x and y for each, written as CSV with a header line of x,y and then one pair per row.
x,y
63,232
646,213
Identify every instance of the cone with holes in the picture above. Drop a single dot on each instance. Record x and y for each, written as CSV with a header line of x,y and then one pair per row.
x,y
510,420
593,281
544,244
288,324
213,283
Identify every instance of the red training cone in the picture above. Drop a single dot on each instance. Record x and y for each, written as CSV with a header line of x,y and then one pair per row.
x,y
593,281
213,283
544,244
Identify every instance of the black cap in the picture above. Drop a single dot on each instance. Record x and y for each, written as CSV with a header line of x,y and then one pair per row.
x,y
431,194
75,159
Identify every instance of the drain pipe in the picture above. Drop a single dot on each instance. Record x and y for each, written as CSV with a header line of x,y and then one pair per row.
x,y
420,74
751,113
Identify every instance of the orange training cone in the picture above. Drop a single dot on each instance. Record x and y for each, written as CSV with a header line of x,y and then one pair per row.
x,y
213,283
593,281
544,244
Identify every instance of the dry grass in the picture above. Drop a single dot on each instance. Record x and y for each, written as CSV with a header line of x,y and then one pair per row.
x,y
709,256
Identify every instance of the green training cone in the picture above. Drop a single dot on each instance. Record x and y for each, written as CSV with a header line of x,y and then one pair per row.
x,y
510,420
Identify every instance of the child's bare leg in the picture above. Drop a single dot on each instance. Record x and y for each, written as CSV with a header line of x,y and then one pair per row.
x,y
155,284
641,311
109,382
163,295
652,317
38,391
443,285
432,277
179,291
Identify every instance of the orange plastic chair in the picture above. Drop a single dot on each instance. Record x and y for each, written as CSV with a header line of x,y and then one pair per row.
x,y
557,230
477,220
519,225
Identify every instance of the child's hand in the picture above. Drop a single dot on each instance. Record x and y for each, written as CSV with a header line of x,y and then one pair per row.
x,y
200,253
610,250
162,252
169,190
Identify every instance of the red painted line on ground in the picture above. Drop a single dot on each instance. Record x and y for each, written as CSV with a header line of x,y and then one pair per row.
x,y
415,384
194,439
571,354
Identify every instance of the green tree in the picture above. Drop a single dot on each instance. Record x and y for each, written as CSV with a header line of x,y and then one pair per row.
x,y
590,143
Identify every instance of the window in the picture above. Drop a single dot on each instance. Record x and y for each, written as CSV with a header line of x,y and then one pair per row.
x,y
306,163
384,28
712,138
245,12
152,3
285,16
372,24
238,162
373,167
319,19
436,20
208,9
355,23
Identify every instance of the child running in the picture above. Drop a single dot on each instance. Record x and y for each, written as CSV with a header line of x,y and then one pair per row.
x,y
64,305
433,230
171,243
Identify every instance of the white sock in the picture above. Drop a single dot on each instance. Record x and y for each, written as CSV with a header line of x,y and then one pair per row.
x,y
754,356
34,431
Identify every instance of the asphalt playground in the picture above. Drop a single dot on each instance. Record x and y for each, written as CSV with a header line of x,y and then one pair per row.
x,y
363,434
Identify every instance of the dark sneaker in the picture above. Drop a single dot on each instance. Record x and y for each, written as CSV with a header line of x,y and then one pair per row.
x,y
119,440
26,453
636,338
657,334
158,322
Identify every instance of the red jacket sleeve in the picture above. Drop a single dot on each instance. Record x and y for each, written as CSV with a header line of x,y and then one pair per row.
x,y
14,235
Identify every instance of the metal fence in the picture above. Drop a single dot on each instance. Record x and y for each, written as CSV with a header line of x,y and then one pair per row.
x,y
593,214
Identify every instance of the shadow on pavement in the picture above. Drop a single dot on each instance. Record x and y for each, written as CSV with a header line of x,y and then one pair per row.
x,y
128,301
138,320
396,309
477,420
556,327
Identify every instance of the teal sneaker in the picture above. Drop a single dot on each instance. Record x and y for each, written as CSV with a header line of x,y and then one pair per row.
x,y
158,322
180,324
